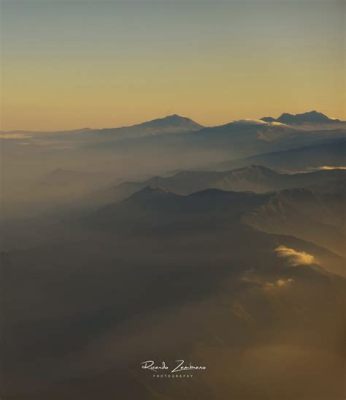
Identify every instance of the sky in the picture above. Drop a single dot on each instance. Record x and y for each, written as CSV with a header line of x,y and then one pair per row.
x,y
82,63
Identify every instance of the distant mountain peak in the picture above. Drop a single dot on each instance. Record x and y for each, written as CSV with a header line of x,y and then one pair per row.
x,y
169,124
175,117
310,117
171,121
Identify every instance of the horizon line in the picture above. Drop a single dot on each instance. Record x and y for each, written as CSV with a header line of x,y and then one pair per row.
x,y
159,118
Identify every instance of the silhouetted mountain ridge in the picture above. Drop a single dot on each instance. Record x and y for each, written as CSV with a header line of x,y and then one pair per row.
x,y
169,124
310,117
254,178
314,211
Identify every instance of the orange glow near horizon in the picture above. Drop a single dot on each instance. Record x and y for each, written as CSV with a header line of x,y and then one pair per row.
x,y
120,64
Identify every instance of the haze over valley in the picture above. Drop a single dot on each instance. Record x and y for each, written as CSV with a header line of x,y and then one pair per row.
x,y
169,240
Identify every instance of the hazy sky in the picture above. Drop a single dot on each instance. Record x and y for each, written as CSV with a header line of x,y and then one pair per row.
x,y
83,63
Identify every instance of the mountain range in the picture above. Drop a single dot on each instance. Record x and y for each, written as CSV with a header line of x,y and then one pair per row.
x,y
310,206
177,124
181,135
254,178
222,246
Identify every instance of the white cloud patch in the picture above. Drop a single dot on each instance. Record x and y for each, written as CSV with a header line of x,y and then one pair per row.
x,y
331,167
250,122
278,284
295,257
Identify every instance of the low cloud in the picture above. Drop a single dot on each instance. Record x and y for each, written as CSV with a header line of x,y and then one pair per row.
x,y
331,167
278,284
295,257
267,285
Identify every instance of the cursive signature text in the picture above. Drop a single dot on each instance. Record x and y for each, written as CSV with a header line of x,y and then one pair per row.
x,y
180,366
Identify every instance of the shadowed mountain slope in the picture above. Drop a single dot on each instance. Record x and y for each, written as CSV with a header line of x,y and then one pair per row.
x,y
254,178
158,266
